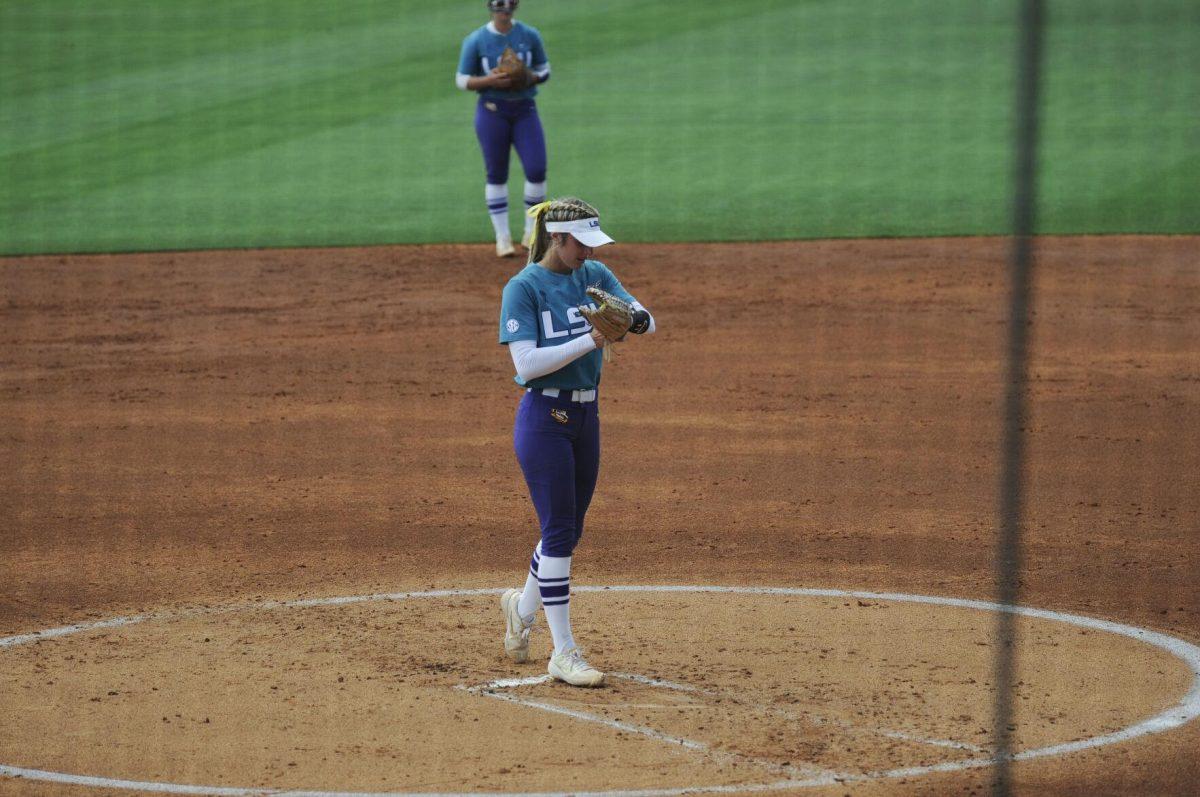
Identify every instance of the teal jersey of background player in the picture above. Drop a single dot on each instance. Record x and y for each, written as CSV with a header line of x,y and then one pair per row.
x,y
543,306
481,52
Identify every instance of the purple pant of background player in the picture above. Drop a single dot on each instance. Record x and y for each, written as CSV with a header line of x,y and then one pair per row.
x,y
561,461
502,125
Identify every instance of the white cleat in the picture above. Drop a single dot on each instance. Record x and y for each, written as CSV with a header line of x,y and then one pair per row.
x,y
504,247
569,666
516,633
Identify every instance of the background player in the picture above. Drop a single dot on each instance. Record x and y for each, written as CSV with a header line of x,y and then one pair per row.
x,y
557,354
506,115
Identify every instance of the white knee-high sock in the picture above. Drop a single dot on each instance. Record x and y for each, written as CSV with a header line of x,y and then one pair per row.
x,y
554,581
531,598
535,194
497,207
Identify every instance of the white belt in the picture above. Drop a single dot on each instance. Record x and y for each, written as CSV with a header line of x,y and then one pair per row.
x,y
581,396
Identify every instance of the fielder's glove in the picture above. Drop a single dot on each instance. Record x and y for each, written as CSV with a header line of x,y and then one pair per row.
x,y
613,316
512,65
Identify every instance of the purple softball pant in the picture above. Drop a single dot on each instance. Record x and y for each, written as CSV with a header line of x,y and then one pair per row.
x,y
558,445
502,125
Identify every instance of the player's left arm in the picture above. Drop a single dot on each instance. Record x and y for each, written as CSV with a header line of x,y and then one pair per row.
x,y
643,321
540,65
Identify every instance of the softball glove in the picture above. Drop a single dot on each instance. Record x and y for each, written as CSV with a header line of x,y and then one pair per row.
x,y
512,65
613,316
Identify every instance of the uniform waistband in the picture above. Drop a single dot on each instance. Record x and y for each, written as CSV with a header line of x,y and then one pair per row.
x,y
580,396
506,103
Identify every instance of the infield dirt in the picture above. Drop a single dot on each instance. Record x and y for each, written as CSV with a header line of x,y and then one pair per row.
x,y
184,430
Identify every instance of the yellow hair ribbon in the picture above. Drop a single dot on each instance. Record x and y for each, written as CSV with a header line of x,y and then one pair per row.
x,y
538,209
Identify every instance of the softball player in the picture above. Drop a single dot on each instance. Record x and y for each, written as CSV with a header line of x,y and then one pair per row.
x,y
506,116
557,355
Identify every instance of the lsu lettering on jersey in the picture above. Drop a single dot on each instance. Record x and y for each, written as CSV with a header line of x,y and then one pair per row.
x,y
543,306
481,52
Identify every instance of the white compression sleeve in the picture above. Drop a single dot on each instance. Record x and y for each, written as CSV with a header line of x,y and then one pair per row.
x,y
532,362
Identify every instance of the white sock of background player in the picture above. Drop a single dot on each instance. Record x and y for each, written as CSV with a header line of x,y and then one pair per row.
x,y
554,581
531,598
497,207
535,194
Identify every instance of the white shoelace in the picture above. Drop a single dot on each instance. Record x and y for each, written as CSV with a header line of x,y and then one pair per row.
x,y
576,657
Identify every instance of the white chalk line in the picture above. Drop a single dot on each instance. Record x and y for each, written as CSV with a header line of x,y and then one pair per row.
x,y
661,683
628,727
904,736
1186,710
494,688
51,633
199,611
720,756
777,711
811,717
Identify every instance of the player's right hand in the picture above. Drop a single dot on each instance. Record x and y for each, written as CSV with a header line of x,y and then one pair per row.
x,y
500,79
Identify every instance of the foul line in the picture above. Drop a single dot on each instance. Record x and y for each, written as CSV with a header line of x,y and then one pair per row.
x,y
1186,710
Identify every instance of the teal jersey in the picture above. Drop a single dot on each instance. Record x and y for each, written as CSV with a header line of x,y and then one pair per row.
x,y
543,306
481,52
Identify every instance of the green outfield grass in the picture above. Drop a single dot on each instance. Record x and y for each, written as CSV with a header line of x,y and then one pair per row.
x,y
163,124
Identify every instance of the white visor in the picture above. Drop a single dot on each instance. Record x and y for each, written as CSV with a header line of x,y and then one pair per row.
x,y
586,231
